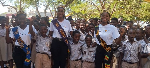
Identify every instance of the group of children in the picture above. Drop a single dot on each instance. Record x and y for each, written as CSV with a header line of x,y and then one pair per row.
x,y
133,51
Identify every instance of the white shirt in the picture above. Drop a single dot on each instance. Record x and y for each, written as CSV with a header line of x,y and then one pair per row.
x,y
75,51
108,33
65,24
82,37
24,34
88,53
143,46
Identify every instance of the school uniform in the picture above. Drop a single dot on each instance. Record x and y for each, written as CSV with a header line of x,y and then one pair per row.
x,y
59,48
130,51
147,50
88,57
143,50
76,55
19,55
82,37
3,45
43,52
108,34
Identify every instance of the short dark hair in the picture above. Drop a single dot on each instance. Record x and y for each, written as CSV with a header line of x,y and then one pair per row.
x,y
115,19
130,29
88,35
106,12
96,19
74,32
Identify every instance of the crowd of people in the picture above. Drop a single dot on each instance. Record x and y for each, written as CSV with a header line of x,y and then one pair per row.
x,y
66,43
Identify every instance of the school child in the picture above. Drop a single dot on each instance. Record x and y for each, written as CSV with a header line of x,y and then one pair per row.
x,y
130,52
88,57
45,21
82,32
95,22
33,43
92,33
140,39
76,54
43,49
3,45
116,53
147,37
114,21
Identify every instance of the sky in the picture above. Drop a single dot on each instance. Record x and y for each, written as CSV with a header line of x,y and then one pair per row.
x,y
4,8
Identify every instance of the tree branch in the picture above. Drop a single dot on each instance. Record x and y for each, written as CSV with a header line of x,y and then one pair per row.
x,y
94,5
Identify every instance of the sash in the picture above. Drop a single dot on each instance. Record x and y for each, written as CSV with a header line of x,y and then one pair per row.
x,y
107,57
24,47
62,33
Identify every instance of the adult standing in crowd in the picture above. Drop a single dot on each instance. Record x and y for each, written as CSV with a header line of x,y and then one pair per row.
x,y
107,34
60,28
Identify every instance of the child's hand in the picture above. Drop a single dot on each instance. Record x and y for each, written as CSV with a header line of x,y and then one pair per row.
x,y
7,26
94,44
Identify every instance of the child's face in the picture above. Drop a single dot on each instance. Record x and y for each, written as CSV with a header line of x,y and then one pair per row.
x,y
77,25
114,22
91,28
22,19
76,38
88,41
139,33
43,21
131,34
82,26
122,30
147,30
43,30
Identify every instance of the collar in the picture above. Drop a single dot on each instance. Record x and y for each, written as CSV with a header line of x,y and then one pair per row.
x,y
71,42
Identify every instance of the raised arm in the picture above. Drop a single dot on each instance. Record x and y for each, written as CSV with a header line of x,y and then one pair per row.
x,y
31,28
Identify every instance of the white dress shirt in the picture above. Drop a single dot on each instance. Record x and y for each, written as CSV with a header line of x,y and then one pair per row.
x,y
65,24
108,33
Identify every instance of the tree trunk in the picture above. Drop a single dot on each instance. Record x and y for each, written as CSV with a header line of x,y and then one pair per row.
x,y
20,5
37,10
51,13
46,9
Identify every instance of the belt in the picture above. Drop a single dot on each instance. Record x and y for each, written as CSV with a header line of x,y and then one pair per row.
x,y
129,62
77,60
41,53
17,46
89,61
46,54
59,39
